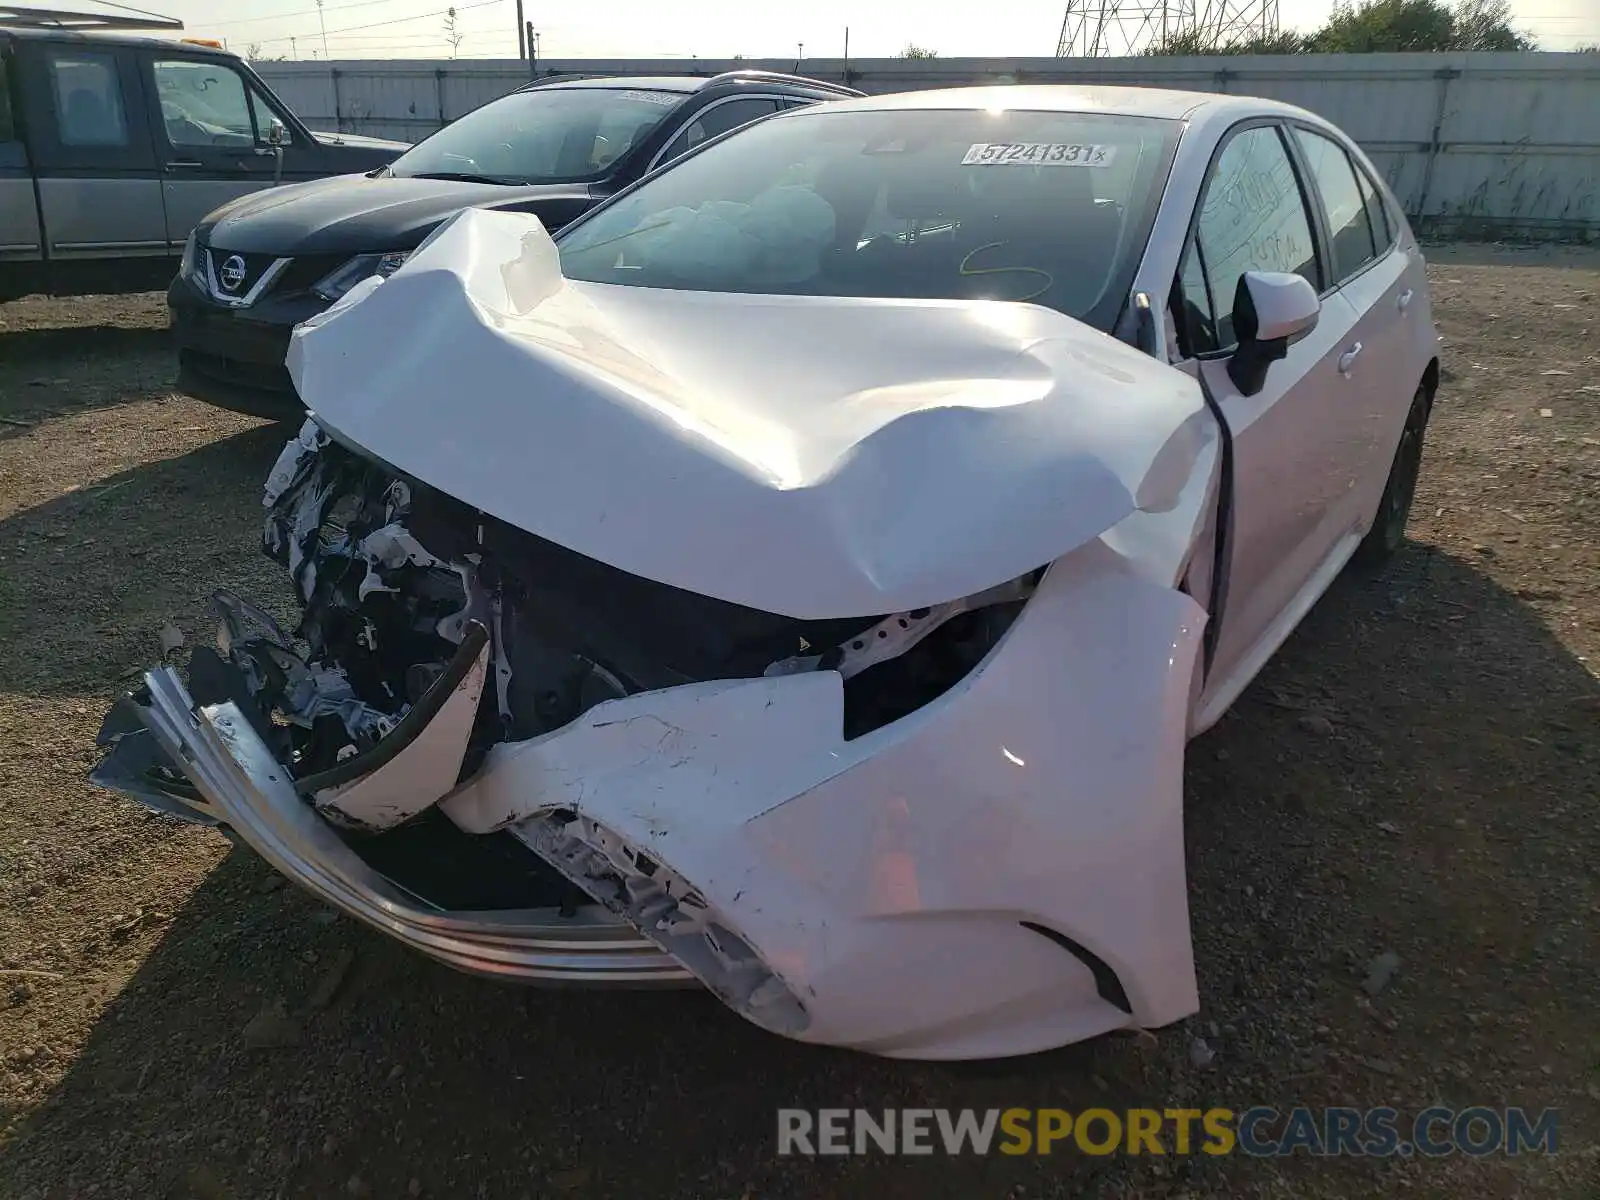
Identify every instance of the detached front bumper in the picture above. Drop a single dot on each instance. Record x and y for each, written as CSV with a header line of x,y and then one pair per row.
x,y
998,873
247,791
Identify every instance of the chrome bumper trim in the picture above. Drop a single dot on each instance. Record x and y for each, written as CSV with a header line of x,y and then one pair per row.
x,y
253,794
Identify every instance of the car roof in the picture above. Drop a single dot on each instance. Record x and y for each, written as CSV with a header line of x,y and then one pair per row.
x,y
1126,101
101,37
653,83
686,84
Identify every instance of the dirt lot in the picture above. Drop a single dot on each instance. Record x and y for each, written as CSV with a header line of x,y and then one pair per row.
x,y
1416,773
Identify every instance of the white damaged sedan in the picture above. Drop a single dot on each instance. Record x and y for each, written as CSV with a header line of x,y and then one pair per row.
x,y
802,576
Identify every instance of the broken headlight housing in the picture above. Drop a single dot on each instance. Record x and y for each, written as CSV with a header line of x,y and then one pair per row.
x,y
669,911
191,266
362,266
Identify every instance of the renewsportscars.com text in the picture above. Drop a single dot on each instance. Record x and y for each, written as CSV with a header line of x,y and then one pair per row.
x,y
1257,1132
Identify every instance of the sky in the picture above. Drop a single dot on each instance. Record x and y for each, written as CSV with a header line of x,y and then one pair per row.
x,y
705,28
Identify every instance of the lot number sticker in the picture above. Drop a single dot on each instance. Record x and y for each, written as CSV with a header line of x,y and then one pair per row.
x,y
1038,154
665,99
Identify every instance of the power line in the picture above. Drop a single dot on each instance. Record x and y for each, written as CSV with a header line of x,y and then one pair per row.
x,y
309,12
138,12
460,8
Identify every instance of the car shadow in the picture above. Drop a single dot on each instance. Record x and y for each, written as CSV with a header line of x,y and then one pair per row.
x,y
55,345
62,356
264,1048
1560,255
91,577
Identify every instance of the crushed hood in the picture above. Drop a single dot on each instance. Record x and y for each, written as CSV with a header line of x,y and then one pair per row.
x,y
809,456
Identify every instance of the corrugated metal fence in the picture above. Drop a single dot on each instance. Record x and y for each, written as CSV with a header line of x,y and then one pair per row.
x,y
1480,144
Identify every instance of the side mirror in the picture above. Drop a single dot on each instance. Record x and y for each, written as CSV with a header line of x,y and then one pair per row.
x,y
1272,310
277,135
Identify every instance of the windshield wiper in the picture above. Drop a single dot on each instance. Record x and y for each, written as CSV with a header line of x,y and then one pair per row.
x,y
462,177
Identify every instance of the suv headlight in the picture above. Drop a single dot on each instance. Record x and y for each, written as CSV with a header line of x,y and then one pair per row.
x,y
362,266
191,266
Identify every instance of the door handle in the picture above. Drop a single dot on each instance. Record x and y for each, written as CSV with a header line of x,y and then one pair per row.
x,y
1348,359
1404,300
190,163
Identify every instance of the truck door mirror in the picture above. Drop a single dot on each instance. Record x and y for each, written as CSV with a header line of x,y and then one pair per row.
x,y
277,133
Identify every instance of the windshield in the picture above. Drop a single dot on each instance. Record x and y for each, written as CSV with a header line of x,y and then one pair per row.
x,y
1047,207
548,135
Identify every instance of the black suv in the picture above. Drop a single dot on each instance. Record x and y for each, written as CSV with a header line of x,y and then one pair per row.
x,y
255,268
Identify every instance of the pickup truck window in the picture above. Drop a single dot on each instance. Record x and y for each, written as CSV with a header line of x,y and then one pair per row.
x,y
8,129
265,117
88,98
204,104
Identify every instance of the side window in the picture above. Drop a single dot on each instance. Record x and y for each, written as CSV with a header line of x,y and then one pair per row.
x,y
265,117
1193,314
8,128
1252,218
1382,232
1349,221
719,118
88,96
203,105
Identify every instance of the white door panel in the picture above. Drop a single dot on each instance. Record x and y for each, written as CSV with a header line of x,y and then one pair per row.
x,y
1292,450
1378,385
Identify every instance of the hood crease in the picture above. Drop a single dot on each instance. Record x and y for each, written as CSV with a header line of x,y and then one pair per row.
x,y
815,457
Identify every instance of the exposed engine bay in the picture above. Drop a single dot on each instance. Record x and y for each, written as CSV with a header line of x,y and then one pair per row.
x,y
396,578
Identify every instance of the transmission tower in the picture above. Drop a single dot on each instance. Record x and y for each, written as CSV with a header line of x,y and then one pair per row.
x,y
1120,28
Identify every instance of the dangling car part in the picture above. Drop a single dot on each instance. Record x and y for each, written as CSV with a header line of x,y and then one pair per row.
x,y
777,585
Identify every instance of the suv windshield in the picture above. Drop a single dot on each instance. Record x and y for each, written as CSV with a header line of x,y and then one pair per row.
x,y
1048,207
548,135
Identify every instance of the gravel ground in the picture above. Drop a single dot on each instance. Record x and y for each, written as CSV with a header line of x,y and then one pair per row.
x,y
1416,774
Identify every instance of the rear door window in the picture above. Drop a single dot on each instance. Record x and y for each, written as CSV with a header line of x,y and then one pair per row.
x,y
88,95
1382,231
1349,217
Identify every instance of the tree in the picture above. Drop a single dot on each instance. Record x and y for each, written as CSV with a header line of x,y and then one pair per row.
x,y
1198,41
1380,26
1373,27
452,34
1486,25
253,53
916,51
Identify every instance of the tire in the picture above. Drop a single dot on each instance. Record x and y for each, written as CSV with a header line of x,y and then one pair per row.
x,y
1388,532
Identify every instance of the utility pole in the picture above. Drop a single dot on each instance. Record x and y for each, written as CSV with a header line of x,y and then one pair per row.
x,y
294,49
847,54
522,34
323,21
533,50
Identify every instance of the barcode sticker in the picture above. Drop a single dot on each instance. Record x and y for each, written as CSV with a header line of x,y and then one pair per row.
x,y
665,99
1038,154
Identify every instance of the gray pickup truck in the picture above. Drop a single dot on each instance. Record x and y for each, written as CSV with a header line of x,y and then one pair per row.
x,y
113,147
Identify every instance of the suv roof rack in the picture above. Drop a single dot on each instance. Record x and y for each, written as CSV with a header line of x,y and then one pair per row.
x,y
20,17
780,77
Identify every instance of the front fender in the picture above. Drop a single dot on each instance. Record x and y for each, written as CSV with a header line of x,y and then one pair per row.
x,y
953,885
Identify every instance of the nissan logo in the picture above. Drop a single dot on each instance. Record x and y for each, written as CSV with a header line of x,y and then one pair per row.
x,y
232,273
